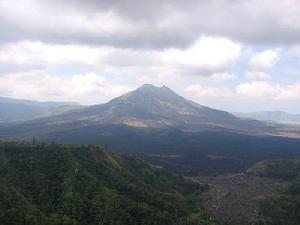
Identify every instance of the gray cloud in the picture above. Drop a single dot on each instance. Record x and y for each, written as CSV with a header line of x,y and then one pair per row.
x,y
13,67
151,24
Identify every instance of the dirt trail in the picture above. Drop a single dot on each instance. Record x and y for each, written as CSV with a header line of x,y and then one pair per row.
x,y
236,197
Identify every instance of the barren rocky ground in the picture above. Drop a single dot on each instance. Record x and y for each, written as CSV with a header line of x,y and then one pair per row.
x,y
236,197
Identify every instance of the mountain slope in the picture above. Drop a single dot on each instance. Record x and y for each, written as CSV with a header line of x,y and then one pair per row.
x,y
55,184
160,107
19,109
148,106
166,129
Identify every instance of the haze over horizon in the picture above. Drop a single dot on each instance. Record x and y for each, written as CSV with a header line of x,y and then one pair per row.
x,y
231,55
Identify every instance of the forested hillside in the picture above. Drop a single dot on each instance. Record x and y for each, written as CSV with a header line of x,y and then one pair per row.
x,y
65,184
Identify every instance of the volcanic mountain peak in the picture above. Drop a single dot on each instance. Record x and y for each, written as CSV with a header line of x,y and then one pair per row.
x,y
155,107
149,92
160,106
150,89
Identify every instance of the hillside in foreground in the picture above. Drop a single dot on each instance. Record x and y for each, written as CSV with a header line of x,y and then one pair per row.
x,y
285,208
84,184
268,193
235,199
65,184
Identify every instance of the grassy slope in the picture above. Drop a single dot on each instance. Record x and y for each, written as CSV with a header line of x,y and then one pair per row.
x,y
64,184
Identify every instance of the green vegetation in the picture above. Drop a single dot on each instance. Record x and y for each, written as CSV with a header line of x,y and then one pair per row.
x,y
287,169
283,209
77,185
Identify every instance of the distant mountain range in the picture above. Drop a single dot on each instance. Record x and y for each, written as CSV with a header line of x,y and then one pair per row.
x,y
165,129
20,109
277,116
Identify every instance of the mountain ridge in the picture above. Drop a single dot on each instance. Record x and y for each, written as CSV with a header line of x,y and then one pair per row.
x,y
20,109
157,107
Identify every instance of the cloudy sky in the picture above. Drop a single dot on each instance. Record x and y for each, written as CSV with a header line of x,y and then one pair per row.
x,y
234,55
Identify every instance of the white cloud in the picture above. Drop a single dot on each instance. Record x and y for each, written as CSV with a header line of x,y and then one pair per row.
x,y
294,51
257,75
207,53
50,55
88,88
248,96
249,90
290,92
208,56
203,91
222,77
257,89
264,60
263,89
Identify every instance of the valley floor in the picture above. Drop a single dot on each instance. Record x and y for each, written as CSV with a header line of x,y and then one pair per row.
x,y
236,197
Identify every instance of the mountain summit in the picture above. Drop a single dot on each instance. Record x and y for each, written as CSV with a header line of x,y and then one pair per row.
x,y
162,92
150,88
150,106
149,91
